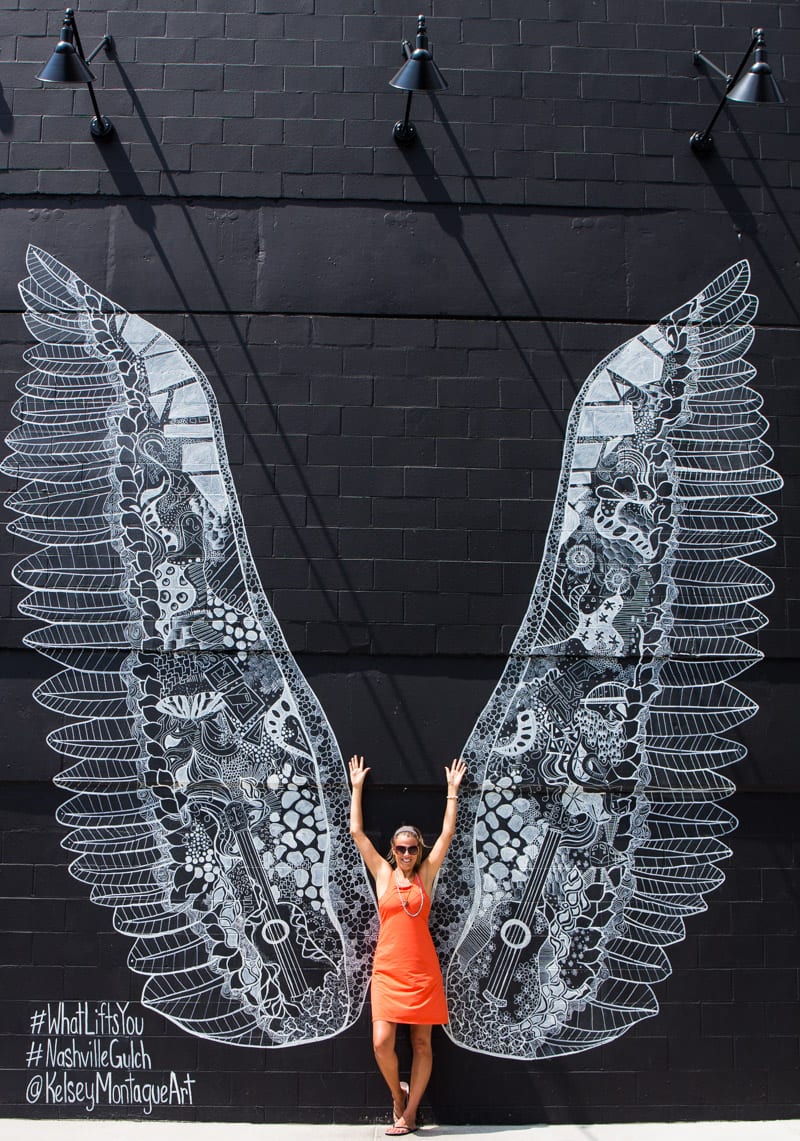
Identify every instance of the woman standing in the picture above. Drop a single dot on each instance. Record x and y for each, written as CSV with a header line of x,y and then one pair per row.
x,y
406,979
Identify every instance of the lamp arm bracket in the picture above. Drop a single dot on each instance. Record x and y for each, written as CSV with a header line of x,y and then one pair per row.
x,y
406,49
699,58
730,80
106,44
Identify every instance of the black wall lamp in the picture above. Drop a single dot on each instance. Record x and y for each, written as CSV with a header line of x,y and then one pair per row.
x,y
69,67
757,86
418,73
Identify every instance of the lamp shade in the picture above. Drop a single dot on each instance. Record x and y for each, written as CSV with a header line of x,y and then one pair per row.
x,y
419,73
65,66
757,86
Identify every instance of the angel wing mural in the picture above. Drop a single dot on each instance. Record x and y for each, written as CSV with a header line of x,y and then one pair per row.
x,y
208,795
596,819
208,787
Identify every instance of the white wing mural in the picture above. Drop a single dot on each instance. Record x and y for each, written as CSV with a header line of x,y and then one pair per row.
x,y
209,792
209,798
593,827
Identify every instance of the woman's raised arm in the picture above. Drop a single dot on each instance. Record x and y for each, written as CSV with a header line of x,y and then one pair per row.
x,y
370,854
435,858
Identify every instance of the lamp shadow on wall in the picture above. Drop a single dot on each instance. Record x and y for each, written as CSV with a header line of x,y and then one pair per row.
x,y
6,118
722,182
450,219
143,216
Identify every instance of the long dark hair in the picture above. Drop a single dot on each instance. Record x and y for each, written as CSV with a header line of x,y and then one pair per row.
x,y
411,830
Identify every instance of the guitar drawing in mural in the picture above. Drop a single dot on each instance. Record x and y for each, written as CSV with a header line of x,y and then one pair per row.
x,y
208,800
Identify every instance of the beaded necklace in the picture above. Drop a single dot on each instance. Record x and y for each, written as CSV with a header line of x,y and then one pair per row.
x,y
410,914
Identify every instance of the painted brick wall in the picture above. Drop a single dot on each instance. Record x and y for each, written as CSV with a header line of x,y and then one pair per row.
x,y
572,103
395,340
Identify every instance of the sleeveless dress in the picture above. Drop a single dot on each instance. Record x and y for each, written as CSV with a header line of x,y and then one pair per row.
x,y
406,978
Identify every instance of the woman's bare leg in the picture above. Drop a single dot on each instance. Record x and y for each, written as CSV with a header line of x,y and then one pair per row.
x,y
383,1040
421,1066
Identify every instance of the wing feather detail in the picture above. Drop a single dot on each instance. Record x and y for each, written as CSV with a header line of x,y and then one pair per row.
x,y
594,825
206,787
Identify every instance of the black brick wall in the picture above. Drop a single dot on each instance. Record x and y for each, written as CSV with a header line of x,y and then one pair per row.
x,y
395,339
570,103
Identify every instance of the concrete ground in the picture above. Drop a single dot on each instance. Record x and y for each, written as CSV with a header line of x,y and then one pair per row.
x,y
94,1130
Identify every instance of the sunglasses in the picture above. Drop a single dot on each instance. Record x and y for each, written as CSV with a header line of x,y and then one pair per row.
x,y
407,850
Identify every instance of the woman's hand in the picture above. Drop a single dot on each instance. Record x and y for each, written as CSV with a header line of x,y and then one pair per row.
x,y
455,775
358,773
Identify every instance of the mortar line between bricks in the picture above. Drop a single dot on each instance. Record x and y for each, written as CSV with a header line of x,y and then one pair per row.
x,y
633,322
101,201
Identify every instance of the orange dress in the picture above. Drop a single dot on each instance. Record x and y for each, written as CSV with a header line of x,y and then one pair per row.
x,y
406,977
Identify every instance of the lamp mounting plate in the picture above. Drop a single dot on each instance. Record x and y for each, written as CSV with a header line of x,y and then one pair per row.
x,y
701,142
101,127
404,134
